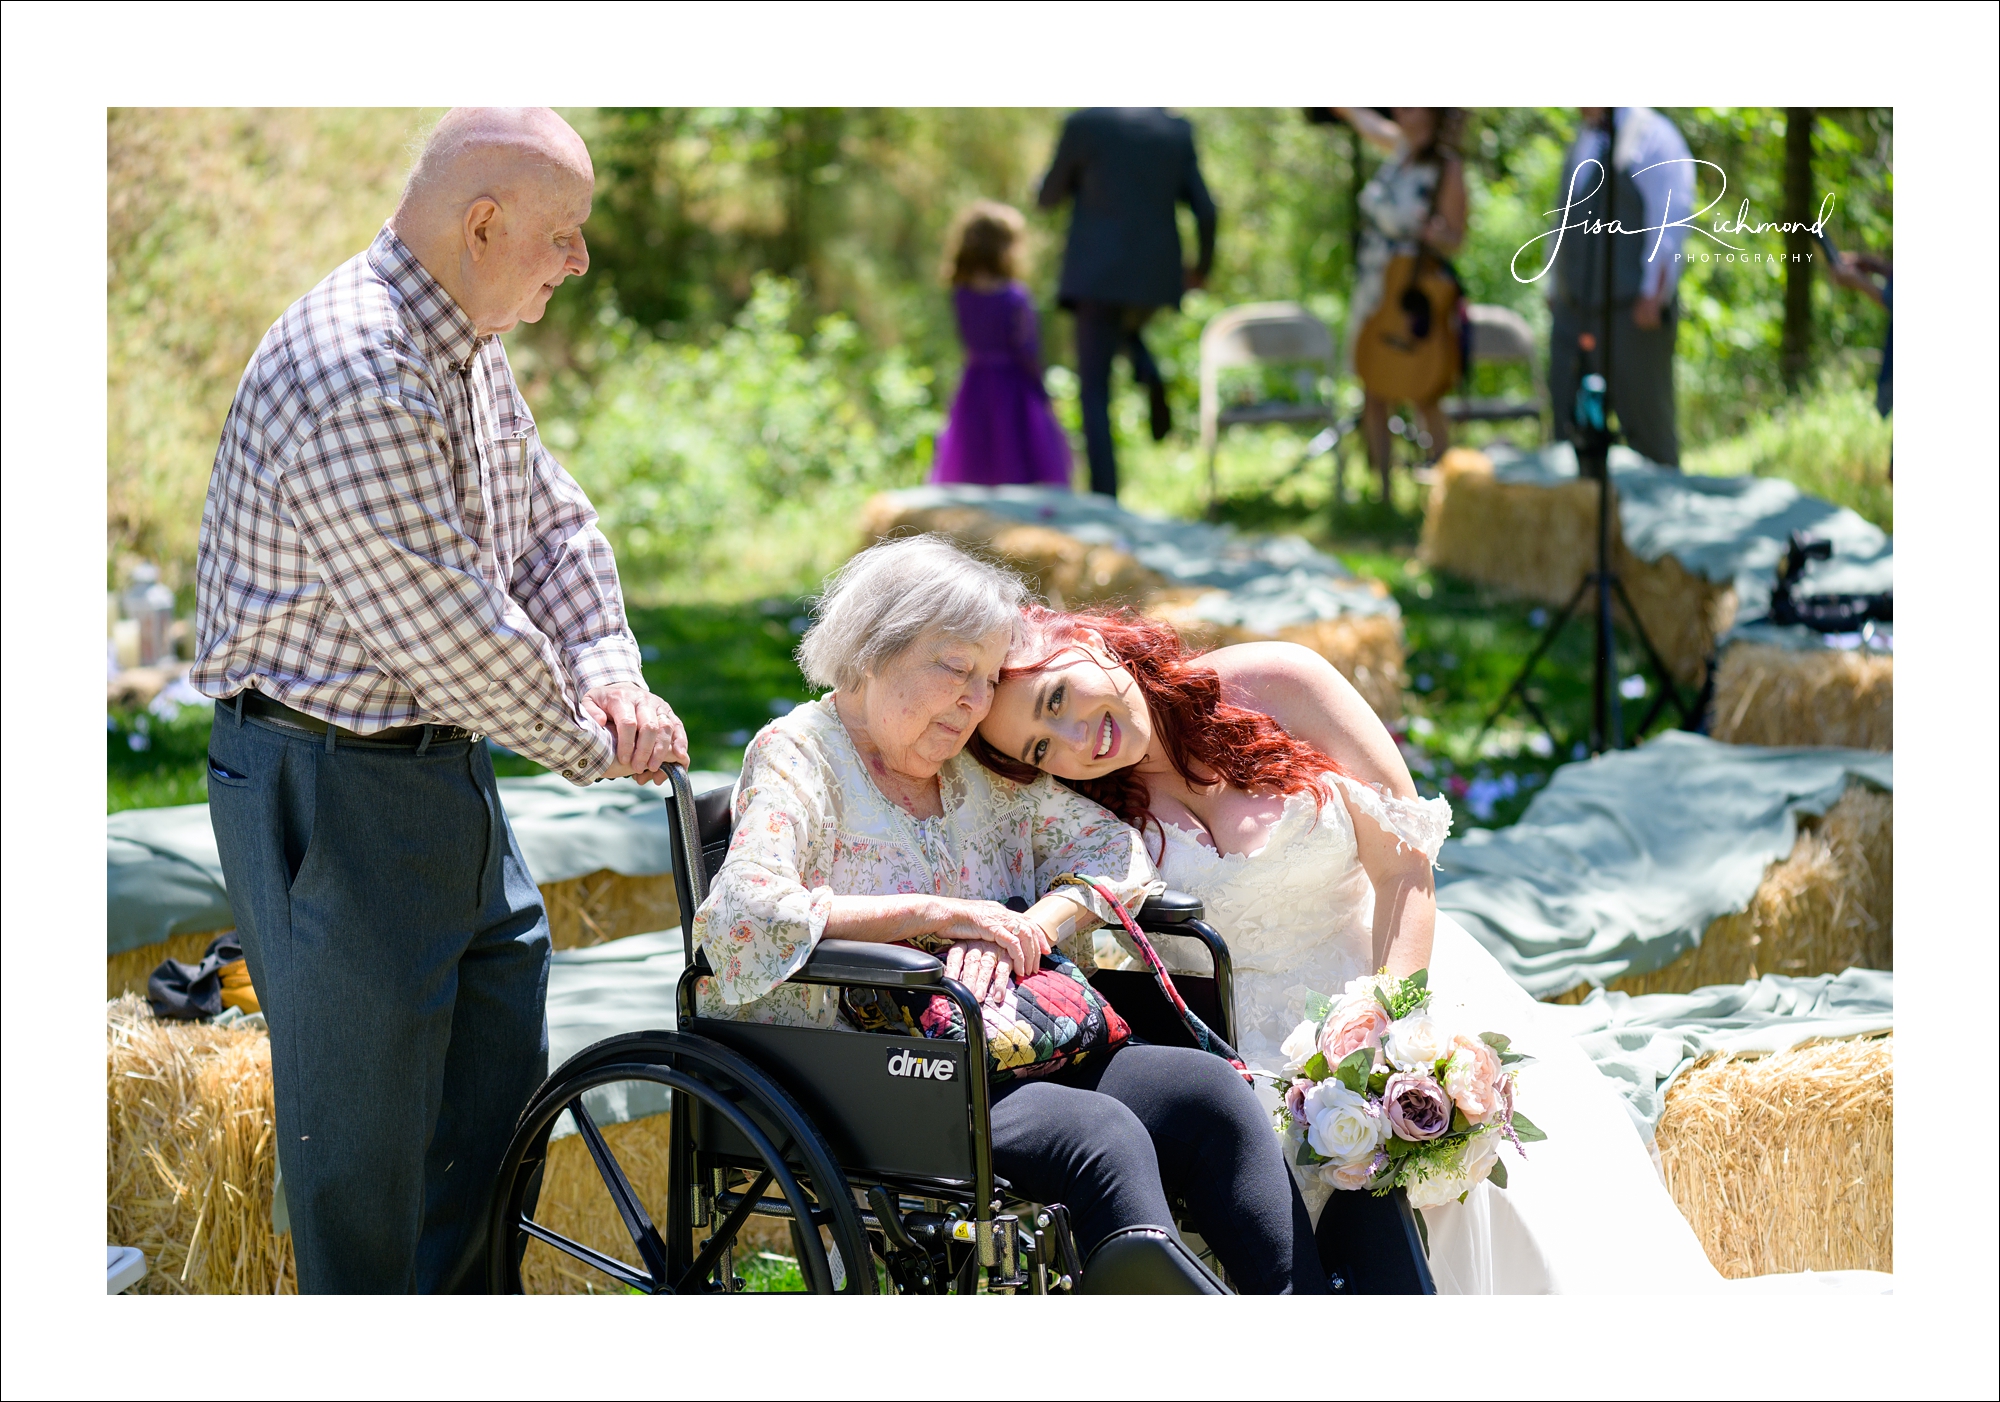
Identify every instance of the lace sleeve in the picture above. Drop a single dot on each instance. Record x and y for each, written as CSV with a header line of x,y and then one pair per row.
x,y
1420,824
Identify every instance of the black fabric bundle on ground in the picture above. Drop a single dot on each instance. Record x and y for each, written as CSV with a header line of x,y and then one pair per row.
x,y
192,991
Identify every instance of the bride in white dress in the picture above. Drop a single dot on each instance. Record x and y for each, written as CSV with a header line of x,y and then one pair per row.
x,y
1320,872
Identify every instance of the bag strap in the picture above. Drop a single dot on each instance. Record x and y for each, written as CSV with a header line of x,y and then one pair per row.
x,y
1205,1036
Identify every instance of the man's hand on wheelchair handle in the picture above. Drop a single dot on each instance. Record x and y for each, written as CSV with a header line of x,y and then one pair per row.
x,y
647,733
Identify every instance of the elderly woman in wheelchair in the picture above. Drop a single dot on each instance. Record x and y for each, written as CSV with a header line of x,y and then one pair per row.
x,y
827,1051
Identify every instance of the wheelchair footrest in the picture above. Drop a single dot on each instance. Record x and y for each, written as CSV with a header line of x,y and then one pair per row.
x,y
1146,1261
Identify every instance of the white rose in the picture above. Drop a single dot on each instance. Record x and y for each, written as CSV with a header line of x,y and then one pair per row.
x,y
1341,1125
1438,1189
1365,987
1416,1042
1297,1049
1482,1151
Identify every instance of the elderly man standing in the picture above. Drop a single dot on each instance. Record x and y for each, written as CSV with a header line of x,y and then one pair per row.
x,y
391,568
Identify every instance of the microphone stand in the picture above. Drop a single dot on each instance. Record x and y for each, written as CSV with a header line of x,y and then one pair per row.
x,y
1592,434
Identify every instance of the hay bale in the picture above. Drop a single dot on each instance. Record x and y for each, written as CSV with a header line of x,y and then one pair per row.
x,y
192,1160
1064,571
574,1202
1778,696
1367,648
1786,1163
606,906
126,973
588,910
190,1156
1538,541
1070,573
1827,906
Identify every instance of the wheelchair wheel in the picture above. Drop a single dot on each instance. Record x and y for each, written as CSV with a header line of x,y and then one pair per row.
x,y
664,1249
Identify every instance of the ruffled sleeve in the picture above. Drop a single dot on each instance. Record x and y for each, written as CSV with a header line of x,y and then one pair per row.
x,y
1072,836
761,921
1420,824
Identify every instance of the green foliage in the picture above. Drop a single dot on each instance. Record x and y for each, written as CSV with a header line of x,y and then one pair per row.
x,y
155,763
1727,369
1354,1069
1832,445
678,441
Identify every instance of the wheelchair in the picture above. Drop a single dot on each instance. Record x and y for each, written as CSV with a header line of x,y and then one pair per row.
x,y
866,1147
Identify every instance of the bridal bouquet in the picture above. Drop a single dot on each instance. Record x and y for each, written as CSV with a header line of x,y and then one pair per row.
x,y
1383,1095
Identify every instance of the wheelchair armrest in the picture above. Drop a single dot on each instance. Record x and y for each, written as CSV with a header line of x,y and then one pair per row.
x,y
1166,910
876,965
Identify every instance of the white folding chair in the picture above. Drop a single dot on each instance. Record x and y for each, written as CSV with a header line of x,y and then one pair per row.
x,y
1263,333
1500,336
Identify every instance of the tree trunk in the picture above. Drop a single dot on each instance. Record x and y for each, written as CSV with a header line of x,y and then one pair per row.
x,y
1800,248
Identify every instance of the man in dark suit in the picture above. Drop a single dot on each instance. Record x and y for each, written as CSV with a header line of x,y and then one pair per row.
x,y
1126,167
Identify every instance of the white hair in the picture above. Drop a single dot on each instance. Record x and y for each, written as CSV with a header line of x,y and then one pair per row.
x,y
892,595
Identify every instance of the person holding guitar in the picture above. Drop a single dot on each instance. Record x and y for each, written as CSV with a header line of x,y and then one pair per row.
x,y
1403,337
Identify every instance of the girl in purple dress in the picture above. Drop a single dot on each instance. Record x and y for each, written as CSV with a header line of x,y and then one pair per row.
x,y
1002,430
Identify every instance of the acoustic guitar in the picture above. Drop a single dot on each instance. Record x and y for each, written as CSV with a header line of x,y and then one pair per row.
x,y
1408,348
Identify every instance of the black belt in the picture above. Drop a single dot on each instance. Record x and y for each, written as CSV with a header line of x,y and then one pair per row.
x,y
400,737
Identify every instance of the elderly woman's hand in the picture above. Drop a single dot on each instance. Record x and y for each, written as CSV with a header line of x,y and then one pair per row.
x,y
982,967
1018,940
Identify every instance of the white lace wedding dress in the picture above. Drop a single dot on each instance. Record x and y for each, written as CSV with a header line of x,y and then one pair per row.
x,y
1585,1211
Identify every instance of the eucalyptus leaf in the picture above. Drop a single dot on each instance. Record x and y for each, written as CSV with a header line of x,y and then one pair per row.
x,y
1318,1005
1514,1058
1526,1130
1499,1041
1459,1124
1498,1176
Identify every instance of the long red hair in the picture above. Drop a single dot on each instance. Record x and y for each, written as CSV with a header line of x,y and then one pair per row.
x,y
1192,724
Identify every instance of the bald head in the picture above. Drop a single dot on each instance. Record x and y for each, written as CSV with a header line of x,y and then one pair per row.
x,y
495,209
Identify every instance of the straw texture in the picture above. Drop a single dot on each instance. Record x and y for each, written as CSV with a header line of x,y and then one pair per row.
x,y
189,1155
127,972
1538,542
1776,696
574,1202
587,910
1827,906
1070,573
1786,1163
607,906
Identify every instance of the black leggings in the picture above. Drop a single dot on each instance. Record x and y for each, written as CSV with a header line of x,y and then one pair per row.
x,y
1116,1138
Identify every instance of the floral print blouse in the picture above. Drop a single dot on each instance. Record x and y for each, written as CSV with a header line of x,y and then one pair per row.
x,y
810,824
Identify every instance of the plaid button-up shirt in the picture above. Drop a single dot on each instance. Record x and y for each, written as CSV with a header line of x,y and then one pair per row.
x,y
386,541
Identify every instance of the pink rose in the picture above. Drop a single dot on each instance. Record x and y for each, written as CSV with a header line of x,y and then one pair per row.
x,y
1417,1106
1358,1024
1353,1176
1472,1078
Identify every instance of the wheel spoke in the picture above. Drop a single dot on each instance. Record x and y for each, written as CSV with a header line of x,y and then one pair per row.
x,y
611,1266
645,1236
718,1241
